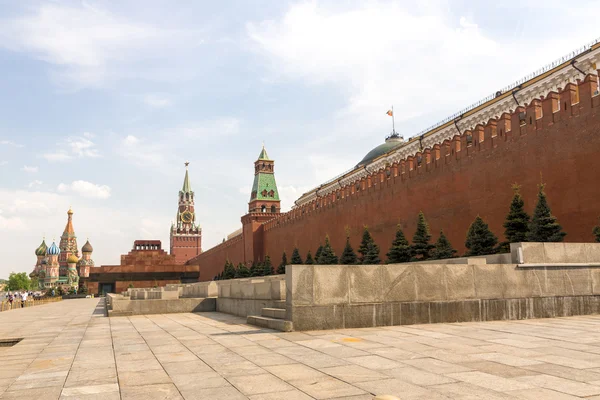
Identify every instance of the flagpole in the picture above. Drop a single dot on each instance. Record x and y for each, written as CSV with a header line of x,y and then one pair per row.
x,y
393,122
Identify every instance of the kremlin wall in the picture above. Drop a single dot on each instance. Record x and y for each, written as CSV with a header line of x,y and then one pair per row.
x,y
452,173
544,128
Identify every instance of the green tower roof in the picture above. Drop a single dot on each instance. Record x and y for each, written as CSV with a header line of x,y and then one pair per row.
x,y
265,182
263,154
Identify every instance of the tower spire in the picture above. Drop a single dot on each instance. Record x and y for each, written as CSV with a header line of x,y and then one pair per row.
x,y
186,181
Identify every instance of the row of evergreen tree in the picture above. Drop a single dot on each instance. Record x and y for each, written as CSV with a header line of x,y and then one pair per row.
x,y
480,240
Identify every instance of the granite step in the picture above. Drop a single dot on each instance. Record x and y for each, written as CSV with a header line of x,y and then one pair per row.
x,y
273,312
271,323
279,304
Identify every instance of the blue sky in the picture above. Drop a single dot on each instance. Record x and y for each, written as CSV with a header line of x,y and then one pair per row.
x,y
101,102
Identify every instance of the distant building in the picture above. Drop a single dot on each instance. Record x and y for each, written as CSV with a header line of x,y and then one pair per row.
x,y
60,265
146,265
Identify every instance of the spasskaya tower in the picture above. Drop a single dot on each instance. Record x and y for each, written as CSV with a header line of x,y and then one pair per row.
x,y
186,234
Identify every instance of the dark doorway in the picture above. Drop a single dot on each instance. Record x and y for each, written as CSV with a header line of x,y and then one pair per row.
x,y
106,288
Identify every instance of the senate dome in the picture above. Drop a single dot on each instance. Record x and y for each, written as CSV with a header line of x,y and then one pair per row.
x,y
391,143
41,250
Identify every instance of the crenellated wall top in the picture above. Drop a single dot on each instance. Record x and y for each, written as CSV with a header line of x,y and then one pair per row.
x,y
554,77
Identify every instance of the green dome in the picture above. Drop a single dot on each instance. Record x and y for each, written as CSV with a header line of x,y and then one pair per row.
x,y
41,250
390,144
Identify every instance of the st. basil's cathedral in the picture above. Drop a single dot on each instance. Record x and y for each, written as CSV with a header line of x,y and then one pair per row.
x,y
61,265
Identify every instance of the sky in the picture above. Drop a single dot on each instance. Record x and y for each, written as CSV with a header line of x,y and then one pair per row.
x,y
102,102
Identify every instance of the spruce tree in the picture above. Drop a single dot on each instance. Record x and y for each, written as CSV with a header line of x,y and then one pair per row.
x,y
242,271
443,248
480,240
421,248
256,269
318,253
296,259
284,262
368,250
596,232
348,256
543,226
372,256
400,250
229,270
327,256
267,266
516,224
309,259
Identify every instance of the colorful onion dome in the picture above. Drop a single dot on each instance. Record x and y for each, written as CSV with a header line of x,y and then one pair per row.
x,y
87,247
41,250
72,259
53,250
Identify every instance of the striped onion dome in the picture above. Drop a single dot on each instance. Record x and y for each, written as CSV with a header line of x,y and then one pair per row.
x,y
41,250
53,250
72,259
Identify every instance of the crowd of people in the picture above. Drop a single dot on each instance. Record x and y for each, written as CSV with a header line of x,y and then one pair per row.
x,y
20,296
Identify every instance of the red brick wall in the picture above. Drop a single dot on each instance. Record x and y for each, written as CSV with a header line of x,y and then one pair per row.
x,y
455,183
560,148
211,262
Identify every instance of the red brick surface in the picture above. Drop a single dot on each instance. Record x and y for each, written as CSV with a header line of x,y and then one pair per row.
x,y
454,183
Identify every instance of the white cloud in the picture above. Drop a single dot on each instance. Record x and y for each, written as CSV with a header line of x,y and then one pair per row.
x,y
57,156
417,56
3,162
78,147
34,183
157,100
130,140
89,46
379,53
85,189
10,143
82,146
27,168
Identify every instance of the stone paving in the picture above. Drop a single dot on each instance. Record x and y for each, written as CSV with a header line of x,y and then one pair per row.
x,y
71,351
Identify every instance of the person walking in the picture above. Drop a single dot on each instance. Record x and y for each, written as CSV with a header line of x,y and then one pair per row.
x,y
10,299
23,298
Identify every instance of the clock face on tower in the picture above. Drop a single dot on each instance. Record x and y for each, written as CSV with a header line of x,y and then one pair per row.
x,y
187,216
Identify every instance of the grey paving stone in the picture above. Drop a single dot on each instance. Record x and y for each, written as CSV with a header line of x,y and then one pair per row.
x,y
561,385
196,356
151,392
326,387
218,393
490,381
257,384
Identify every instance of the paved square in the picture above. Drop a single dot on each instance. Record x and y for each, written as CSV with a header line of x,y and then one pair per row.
x,y
71,351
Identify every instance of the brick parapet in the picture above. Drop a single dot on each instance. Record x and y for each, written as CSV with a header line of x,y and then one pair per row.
x,y
532,120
